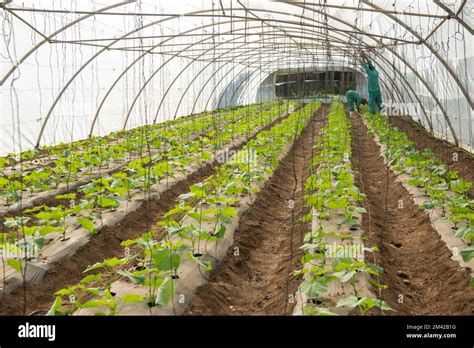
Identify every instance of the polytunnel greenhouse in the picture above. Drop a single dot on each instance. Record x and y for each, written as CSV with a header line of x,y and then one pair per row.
x,y
237,158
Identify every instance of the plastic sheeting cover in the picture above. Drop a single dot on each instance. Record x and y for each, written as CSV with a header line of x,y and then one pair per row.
x,y
69,69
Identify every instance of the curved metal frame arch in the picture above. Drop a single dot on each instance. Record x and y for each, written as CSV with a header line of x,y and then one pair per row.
x,y
258,19
56,100
211,62
188,65
205,51
411,68
431,48
142,88
94,56
182,96
155,72
60,30
400,76
441,107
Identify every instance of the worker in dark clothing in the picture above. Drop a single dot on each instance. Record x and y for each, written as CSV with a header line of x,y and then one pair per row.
x,y
373,86
353,100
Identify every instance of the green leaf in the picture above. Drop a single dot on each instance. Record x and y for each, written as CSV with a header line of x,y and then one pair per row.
x,y
3,182
129,242
95,303
350,301
354,192
219,230
15,264
345,276
34,209
87,224
317,311
39,242
468,253
106,202
196,216
415,182
96,265
229,212
136,277
44,215
383,305
115,261
65,292
90,278
54,310
312,288
466,231
129,298
336,203
19,221
165,292
206,155
460,186
377,284
30,231
342,263
165,260
47,229
68,196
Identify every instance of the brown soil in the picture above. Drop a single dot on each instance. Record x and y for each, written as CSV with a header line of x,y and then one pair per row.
x,y
260,279
102,246
441,148
430,282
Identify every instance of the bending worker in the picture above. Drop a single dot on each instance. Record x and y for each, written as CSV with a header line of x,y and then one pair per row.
x,y
373,87
353,100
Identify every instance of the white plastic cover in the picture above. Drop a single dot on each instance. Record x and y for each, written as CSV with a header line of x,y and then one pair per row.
x,y
69,69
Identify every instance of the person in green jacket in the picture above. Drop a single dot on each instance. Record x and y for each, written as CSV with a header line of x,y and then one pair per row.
x,y
353,100
373,87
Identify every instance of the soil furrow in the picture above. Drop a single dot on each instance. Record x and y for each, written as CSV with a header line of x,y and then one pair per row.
x,y
39,297
422,278
255,277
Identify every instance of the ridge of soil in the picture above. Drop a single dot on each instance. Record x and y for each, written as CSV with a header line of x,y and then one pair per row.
x,y
259,280
440,147
106,244
417,263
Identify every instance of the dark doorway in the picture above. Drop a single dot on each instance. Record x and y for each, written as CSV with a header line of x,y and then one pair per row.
x,y
314,84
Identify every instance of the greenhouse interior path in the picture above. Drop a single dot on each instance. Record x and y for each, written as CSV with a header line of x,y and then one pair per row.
x,y
107,244
422,278
259,280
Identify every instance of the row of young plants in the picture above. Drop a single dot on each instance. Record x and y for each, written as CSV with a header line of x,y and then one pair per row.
x,y
334,255
36,157
12,159
446,190
200,217
32,230
68,164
